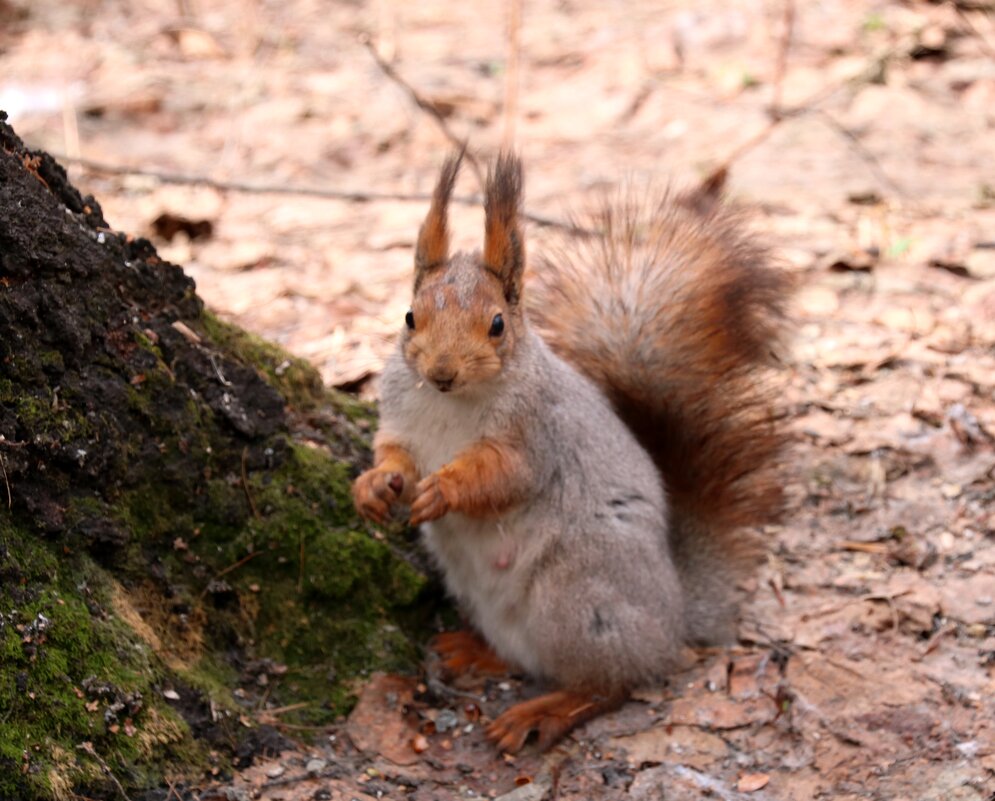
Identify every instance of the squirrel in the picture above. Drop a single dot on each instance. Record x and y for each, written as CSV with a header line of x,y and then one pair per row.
x,y
585,467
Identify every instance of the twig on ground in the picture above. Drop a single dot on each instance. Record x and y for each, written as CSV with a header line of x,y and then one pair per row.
x,y
279,724
853,141
300,562
425,105
353,196
440,688
810,105
862,547
511,73
834,608
987,46
780,64
333,772
934,640
185,179
3,467
235,566
282,710
217,371
245,483
88,749
6,481
172,791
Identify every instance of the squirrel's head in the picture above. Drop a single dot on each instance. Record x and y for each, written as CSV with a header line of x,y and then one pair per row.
x,y
466,316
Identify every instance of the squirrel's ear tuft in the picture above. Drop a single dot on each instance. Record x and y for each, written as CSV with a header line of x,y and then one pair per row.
x,y
504,248
432,249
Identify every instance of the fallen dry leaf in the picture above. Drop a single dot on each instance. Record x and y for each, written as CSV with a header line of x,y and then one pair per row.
x,y
751,782
377,725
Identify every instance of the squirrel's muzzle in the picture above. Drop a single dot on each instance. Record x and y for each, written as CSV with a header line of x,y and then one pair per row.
x,y
442,375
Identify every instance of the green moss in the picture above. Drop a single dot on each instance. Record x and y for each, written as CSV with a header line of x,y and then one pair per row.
x,y
213,678
52,360
321,596
50,418
145,343
298,382
73,673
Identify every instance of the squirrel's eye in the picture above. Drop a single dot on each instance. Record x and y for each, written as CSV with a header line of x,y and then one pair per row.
x,y
409,320
497,326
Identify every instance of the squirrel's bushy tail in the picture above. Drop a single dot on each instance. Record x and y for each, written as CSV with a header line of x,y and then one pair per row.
x,y
676,312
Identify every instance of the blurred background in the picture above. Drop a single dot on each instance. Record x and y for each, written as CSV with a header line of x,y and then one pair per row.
x,y
861,131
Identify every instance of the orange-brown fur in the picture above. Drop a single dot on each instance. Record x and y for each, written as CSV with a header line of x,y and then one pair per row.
x,y
372,492
433,238
551,715
451,339
485,480
465,652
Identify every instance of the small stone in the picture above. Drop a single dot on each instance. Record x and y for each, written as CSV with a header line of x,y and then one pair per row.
x,y
446,720
969,748
276,771
316,765
171,695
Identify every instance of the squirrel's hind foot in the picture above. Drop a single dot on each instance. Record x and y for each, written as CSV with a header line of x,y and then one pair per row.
x,y
464,651
551,716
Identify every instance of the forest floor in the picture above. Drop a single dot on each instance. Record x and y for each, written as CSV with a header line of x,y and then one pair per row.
x,y
866,141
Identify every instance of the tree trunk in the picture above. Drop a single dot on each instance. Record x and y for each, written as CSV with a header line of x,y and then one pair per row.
x,y
177,540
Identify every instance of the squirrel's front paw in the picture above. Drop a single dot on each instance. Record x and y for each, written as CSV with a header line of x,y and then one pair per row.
x,y
434,497
375,492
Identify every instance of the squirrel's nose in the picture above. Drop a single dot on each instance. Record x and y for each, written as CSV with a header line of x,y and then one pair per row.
x,y
442,376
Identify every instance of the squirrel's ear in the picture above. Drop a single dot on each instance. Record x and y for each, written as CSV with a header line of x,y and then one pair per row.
x,y
432,249
504,249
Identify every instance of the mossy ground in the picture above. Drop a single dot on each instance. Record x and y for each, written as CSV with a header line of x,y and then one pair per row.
x,y
270,562
75,673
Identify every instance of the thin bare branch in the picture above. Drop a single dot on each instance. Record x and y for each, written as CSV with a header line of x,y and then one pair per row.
x,y
858,147
234,566
6,481
425,105
781,63
511,73
88,749
811,105
245,484
324,193
973,29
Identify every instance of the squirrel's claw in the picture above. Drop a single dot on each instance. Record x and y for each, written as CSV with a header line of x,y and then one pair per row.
x,y
375,492
431,500
551,716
